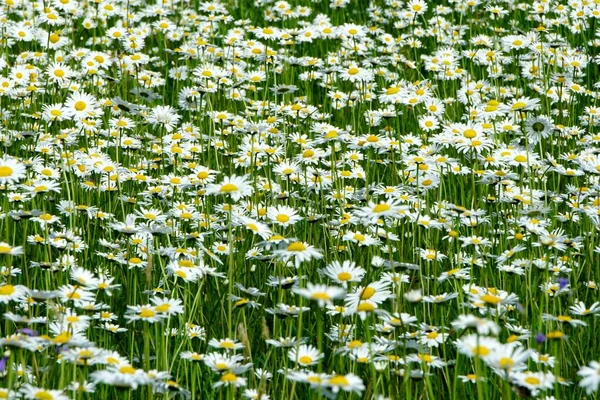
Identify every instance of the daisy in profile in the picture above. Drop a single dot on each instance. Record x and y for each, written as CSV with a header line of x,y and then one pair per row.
x,y
581,309
374,211
35,393
314,379
121,375
534,381
225,344
522,104
482,325
235,186
146,313
299,252
221,362
346,383
474,345
7,249
256,227
323,294
11,170
590,377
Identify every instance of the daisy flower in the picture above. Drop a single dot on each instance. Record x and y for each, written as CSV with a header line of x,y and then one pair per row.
x,y
11,170
343,273
534,381
323,294
122,376
14,293
374,293
232,378
305,355
235,186
346,383
146,313
283,216
7,249
226,344
81,105
164,116
31,392
477,346
355,73
299,251
590,375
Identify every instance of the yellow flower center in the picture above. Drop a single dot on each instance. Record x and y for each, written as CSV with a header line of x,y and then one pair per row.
x,y
229,377
488,298
518,105
481,351
344,276
339,380
426,358
147,313
532,380
127,369
163,308
432,335
43,395
228,188
365,307
359,237
45,217
320,296
6,290
305,360
470,133
282,218
506,362
80,105
221,366
367,293
5,171
296,246
520,158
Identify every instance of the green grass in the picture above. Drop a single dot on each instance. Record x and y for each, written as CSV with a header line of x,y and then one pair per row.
x,y
140,227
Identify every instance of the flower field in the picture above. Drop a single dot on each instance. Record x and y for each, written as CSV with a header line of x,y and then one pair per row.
x,y
328,199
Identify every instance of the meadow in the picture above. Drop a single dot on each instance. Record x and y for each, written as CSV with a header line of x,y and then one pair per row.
x,y
288,200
